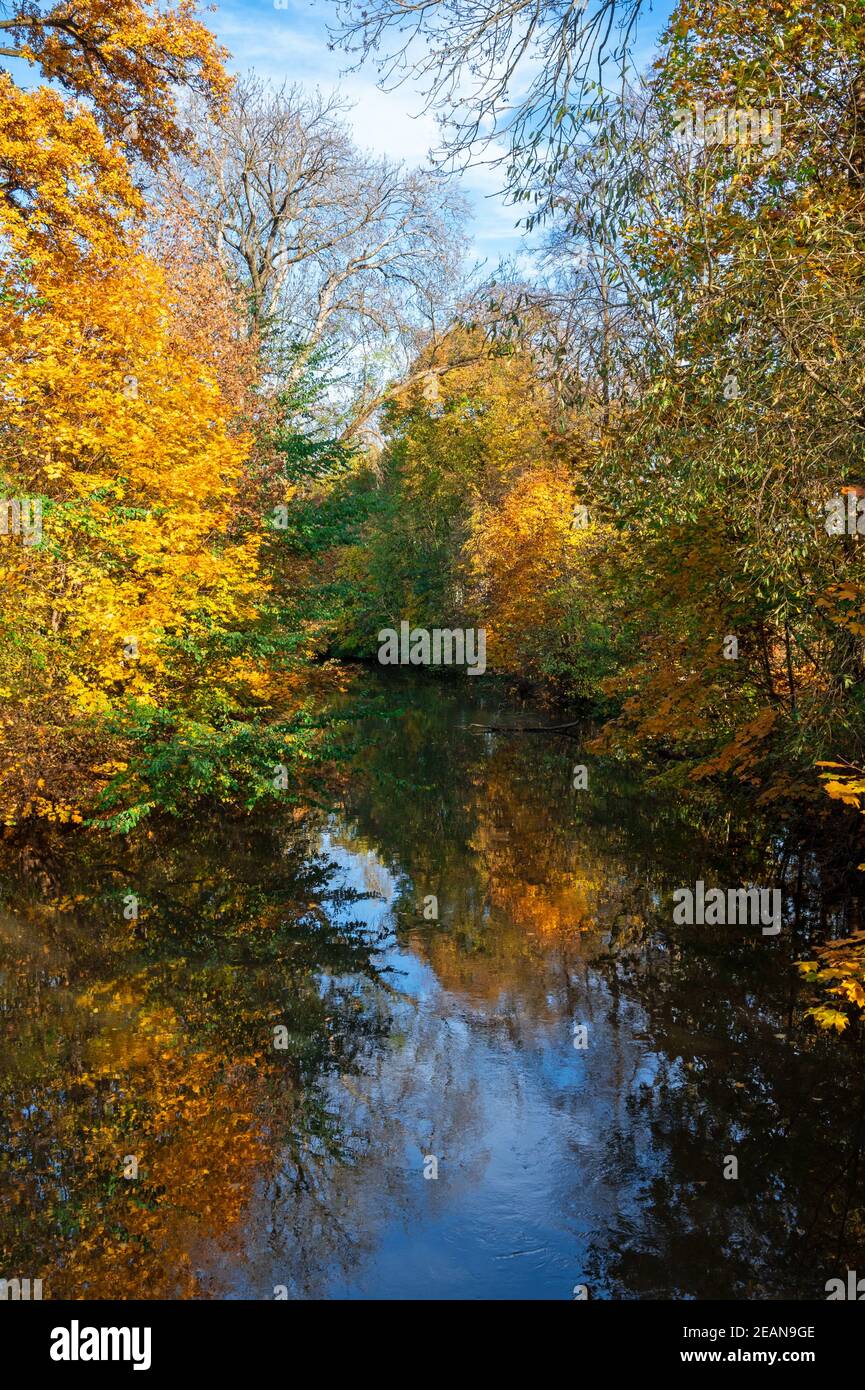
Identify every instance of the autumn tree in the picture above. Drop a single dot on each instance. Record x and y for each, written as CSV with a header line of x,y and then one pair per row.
x,y
125,424
125,59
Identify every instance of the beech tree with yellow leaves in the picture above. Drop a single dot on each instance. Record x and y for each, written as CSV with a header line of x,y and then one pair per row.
x,y
115,421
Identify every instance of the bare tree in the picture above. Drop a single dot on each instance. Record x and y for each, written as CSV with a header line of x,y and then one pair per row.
x,y
337,251
608,324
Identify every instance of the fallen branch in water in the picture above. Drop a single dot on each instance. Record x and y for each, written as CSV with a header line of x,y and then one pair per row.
x,y
526,728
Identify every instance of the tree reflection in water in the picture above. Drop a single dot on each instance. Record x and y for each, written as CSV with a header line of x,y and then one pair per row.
x,y
303,1169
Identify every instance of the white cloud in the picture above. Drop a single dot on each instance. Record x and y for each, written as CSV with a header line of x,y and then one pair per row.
x,y
291,45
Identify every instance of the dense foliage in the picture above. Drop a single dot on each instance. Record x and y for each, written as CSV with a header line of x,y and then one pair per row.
x,y
640,472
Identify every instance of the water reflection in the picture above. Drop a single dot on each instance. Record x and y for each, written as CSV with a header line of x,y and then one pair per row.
x,y
302,1169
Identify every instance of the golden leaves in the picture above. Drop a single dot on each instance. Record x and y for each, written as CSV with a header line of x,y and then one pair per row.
x,y
116,424
839,970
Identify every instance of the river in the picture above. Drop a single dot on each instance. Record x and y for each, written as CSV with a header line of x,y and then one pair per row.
x,y
436,1036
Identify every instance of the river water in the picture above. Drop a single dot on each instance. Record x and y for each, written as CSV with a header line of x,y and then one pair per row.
x,y
435,1037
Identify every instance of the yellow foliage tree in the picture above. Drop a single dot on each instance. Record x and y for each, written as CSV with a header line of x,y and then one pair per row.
x,y
118,445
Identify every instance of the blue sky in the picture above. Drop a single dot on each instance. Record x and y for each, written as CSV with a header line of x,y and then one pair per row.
x,y
291,44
